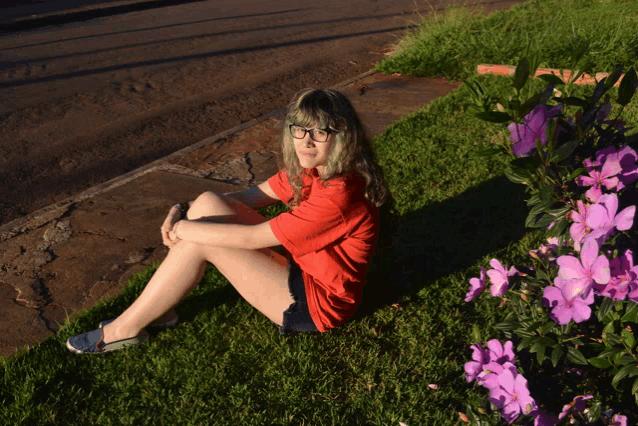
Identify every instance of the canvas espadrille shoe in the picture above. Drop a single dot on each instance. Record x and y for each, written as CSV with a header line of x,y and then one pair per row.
x,y
92,342
155,324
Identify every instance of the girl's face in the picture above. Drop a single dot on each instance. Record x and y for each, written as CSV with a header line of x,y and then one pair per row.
x,y
313,154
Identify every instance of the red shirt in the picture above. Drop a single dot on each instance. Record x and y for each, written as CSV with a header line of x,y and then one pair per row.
x,y
331,235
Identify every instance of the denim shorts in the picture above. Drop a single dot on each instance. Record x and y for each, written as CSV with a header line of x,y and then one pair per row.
x,y
297,317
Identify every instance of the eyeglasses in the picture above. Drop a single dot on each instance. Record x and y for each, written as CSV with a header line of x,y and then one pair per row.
x,y
317,135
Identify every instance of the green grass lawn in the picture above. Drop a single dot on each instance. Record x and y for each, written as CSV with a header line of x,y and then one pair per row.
x,y
225,363
453,44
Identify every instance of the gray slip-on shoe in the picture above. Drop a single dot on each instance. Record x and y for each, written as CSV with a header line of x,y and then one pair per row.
x,y
92,342
163,324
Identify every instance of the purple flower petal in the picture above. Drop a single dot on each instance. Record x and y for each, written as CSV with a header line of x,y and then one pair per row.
x,y
580,311
576,287
589,253
507,381
625,219
552,296
598,217
499,397
570,267
600,270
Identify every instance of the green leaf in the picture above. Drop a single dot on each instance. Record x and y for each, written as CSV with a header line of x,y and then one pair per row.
x,y
624,372
524,333
546,341
548,326
521,74
546,193
524,343
541,207
472,109
494,116
540,355
598,92
560,211
613,78
552,79
543,222
506,325
632,313
558,228
557,353
627,87
518,175
605,307
628,338
594,413
574,101
626,359
575,356
612,338
527,163
564,151
540,274
634,388
575,174
530,103
609,352
599,362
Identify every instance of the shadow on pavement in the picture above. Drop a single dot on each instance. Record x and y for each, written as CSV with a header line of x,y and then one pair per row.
x,y
85,15
198,56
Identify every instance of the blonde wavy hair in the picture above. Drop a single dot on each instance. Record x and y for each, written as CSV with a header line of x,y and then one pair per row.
x,y
351,151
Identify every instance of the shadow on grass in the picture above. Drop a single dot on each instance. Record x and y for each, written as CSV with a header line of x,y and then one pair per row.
x,y
442,238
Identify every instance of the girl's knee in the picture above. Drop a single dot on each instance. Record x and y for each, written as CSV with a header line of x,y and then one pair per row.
x,y
205,205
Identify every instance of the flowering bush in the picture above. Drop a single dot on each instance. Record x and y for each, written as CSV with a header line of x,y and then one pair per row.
x,y
570,354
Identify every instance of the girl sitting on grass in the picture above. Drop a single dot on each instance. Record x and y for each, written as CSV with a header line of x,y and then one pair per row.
x,y
332,185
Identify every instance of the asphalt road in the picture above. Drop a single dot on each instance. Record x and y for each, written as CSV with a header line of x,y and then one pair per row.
x,y
91,90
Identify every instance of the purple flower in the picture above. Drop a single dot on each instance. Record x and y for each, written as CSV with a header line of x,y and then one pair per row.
x,y
575,407
627,158
545,250
618,420
603,112
579,228
499,278
489,376
501,353
602,217
566,307
477,285
596,179
543,419
580,276
624,275
473,368
512,396
523,136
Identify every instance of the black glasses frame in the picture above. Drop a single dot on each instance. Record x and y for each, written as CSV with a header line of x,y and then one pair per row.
x,y
328,131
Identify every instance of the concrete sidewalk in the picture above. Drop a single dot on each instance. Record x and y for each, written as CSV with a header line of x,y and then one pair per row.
x,y
67,256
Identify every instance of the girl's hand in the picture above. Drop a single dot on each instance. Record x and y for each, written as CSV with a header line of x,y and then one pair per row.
x,y
174,215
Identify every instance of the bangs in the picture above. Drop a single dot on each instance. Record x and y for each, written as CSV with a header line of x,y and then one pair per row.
x,y
316,108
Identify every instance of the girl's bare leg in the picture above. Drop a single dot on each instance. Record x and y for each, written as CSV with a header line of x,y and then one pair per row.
x,y
260,276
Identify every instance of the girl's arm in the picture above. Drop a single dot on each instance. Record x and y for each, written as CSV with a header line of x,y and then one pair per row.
x,y
226,234
256,197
